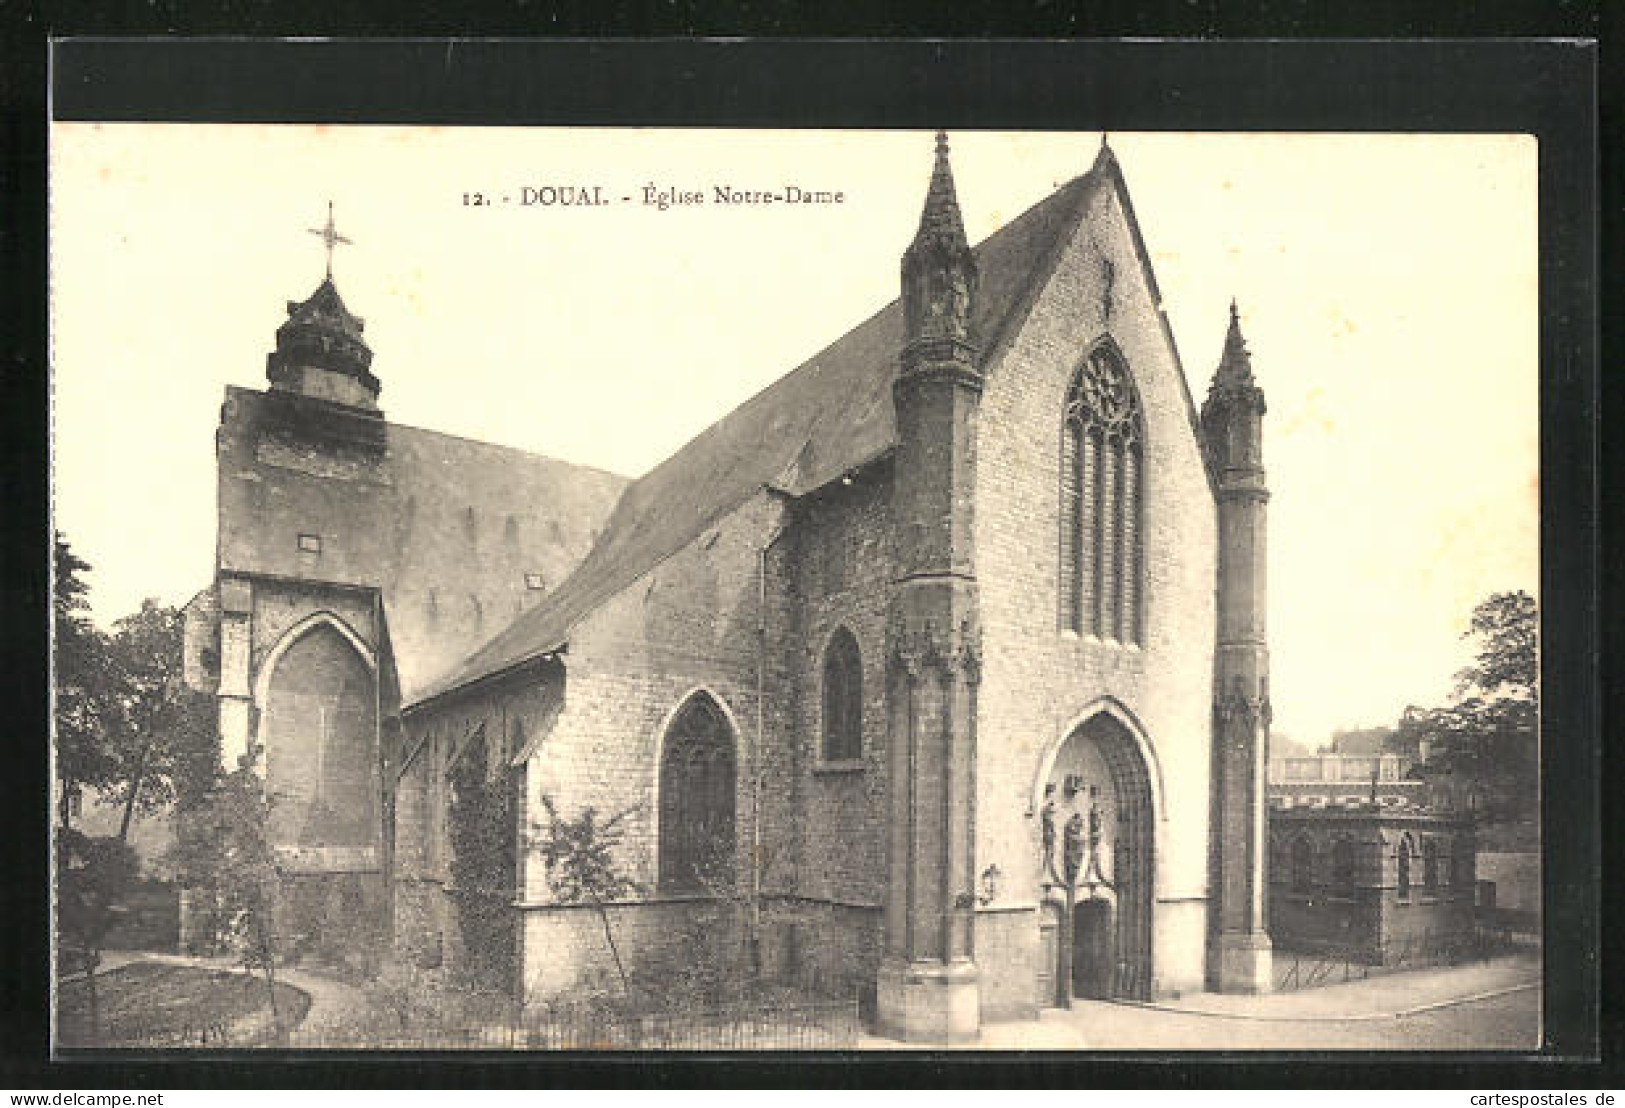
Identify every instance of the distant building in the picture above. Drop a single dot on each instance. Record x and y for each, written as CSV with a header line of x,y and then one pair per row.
x,y
1366,740
1339,780
1380,886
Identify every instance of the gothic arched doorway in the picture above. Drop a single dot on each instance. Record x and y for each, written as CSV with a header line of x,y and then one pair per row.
x,y
1100,789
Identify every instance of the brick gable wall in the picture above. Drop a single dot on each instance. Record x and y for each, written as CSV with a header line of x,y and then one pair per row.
x,y
1038,680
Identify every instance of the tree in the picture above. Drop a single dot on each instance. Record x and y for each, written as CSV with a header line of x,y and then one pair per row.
x,y
223,853
94,877
1487,734
580,858
1507,629
85,705
127,727
165,739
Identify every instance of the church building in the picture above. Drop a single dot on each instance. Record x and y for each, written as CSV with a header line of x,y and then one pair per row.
x,y
943,658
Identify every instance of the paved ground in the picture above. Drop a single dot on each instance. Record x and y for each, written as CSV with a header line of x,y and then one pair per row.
x,y
1487,1006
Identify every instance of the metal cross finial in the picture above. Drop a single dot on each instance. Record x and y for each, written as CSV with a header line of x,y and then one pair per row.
x,y
330,238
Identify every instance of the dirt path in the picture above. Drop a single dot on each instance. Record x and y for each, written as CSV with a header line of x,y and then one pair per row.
x,y
332,1003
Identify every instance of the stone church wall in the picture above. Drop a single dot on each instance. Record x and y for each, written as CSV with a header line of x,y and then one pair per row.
x,y
447,530
418,882
513,714
1038,681
828,819
690,624
844,580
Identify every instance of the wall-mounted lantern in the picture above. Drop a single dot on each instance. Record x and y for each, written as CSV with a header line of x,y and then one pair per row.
x,y
991,877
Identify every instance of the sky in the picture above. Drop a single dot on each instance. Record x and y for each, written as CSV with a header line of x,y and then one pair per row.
x,y
1387,287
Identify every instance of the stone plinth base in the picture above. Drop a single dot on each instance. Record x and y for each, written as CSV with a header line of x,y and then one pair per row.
x,y
929,1001
1245,964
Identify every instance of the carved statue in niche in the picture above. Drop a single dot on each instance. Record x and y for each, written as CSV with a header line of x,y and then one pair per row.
x,y
1072,849
958,304
936,299
947,303
1046,820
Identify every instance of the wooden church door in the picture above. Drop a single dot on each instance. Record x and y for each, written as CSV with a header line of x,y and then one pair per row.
x,y
1092,945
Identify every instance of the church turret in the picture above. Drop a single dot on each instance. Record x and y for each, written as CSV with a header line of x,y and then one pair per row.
x,y
322,385
927,988
320,352
1232,434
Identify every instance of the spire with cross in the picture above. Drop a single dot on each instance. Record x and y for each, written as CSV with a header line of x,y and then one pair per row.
x,y
330,237
321,341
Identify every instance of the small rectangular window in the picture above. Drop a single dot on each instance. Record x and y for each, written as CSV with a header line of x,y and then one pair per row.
x,y
534,581
310,544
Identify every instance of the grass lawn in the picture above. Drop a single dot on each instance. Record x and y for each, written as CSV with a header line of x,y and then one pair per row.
x,y
157,1004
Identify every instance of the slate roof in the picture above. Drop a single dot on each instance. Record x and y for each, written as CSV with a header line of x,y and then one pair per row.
x,y
825,418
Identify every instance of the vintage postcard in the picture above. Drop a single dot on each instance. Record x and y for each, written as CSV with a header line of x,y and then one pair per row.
x,y
548,589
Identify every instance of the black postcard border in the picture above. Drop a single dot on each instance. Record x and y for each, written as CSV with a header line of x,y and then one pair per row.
x,y
1546,88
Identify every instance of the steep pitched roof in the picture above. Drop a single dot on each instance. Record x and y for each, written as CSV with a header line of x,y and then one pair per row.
x,y
828,416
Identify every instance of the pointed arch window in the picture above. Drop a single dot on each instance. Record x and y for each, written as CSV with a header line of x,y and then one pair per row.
x,y
1102,493
1303,865
697,801
1343,866
1403,882
843,699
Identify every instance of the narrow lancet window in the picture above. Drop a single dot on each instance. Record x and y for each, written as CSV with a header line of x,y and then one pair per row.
x,y
843,699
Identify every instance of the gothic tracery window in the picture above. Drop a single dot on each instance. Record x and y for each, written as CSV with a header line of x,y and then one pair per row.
x,y
697,800
843,699
1102,489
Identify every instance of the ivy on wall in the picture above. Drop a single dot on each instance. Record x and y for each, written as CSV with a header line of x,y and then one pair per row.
x,y
481,829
